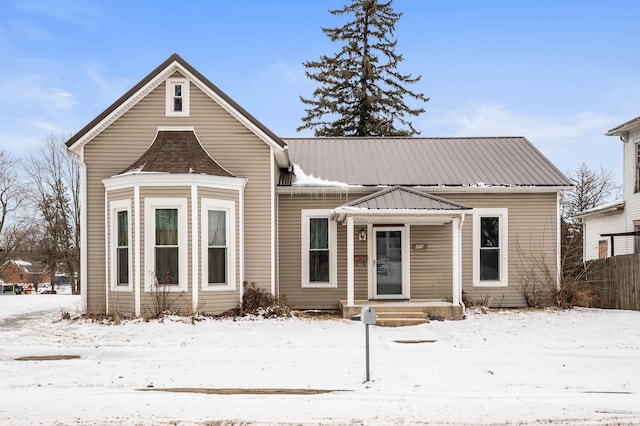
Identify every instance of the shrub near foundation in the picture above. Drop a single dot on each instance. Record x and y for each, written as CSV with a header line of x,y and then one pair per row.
x,y
259,302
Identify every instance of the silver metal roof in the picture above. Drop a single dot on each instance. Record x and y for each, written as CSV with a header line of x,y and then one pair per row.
x,y
477,161
399,197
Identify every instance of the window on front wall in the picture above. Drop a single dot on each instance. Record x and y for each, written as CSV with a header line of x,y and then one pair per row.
x,y
166,246
319,253
120,243
318,250
636,239
218,244
490,247
122,248
217,247
177,97
166,243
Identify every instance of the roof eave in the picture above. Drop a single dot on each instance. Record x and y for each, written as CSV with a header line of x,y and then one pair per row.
x,y
153,80
302,189
615,207
624,129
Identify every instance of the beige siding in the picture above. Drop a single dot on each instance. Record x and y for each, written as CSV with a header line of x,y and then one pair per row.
x,y
431,267
276,178
216,302
180,302
290,254
532,239
121,302
230,143
243,154
532,221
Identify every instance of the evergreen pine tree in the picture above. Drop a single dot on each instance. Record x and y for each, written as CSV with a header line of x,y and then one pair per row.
x,y
360,91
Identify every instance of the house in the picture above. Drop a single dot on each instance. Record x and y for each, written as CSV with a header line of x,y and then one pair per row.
x,y
187,193
614,228
24,273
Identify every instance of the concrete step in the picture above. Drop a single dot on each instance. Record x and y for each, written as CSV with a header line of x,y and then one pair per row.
x,y
402,314
400,322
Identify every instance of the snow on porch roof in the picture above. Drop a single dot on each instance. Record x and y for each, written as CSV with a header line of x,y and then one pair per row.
x,y
399,198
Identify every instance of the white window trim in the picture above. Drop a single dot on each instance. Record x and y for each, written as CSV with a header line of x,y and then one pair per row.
x,y
501,213
150,205
305,215
229,207
114,208
171,82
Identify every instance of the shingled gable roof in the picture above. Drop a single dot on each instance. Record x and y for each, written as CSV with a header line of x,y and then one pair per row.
x,y
177,152
114,109
472,161
401,198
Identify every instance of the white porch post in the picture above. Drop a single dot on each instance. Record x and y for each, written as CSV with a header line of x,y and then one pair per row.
x,y
457,253
350,284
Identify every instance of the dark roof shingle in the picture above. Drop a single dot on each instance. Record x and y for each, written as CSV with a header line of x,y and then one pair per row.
x,y
177,152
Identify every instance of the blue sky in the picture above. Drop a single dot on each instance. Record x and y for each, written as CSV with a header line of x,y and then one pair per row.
x,y
560,73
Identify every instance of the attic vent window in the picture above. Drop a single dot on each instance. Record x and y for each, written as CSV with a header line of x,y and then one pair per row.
x,y
177,97
177,102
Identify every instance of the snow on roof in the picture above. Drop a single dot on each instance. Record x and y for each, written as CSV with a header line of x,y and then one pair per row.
x,y
303,179
612,207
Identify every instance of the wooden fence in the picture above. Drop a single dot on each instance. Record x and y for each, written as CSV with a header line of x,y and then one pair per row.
x,y
616,281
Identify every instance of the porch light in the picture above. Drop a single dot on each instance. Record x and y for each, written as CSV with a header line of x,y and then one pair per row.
x,y
362,234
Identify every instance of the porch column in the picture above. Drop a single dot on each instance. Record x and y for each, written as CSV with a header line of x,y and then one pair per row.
x,y
350,285
457,253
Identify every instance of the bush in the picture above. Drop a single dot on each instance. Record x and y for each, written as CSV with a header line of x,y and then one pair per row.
x,y
256,301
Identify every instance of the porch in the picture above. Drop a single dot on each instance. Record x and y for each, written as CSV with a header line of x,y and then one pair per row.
x,y
395,313
385,220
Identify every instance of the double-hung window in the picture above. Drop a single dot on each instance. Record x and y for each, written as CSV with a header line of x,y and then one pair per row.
x,y
218,245
177,97
166,243
490,252
166,246
319,249
121,245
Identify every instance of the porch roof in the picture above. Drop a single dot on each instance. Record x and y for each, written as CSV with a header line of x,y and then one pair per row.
x,y
400,204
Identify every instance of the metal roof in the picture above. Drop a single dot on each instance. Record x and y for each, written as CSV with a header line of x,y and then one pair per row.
x,y
399,197
472,161
177,152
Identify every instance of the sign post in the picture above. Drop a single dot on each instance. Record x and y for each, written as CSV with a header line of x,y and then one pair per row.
x,y
368,317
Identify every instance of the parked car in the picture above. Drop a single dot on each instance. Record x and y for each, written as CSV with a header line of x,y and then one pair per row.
x,y
11,289
48,292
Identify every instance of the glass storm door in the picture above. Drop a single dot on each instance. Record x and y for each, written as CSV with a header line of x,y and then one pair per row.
x,y
388,262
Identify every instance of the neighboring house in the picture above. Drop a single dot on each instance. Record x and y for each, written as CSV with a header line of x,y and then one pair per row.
x,y
24,272
186,192
614,228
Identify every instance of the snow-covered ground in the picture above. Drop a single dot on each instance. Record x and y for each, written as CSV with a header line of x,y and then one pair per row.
x,y
580,366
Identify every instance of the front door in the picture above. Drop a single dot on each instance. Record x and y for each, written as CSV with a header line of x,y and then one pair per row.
x,y
388,262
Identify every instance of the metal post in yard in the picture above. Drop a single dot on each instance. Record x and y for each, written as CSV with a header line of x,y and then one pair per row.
x,y
367,350
368,317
